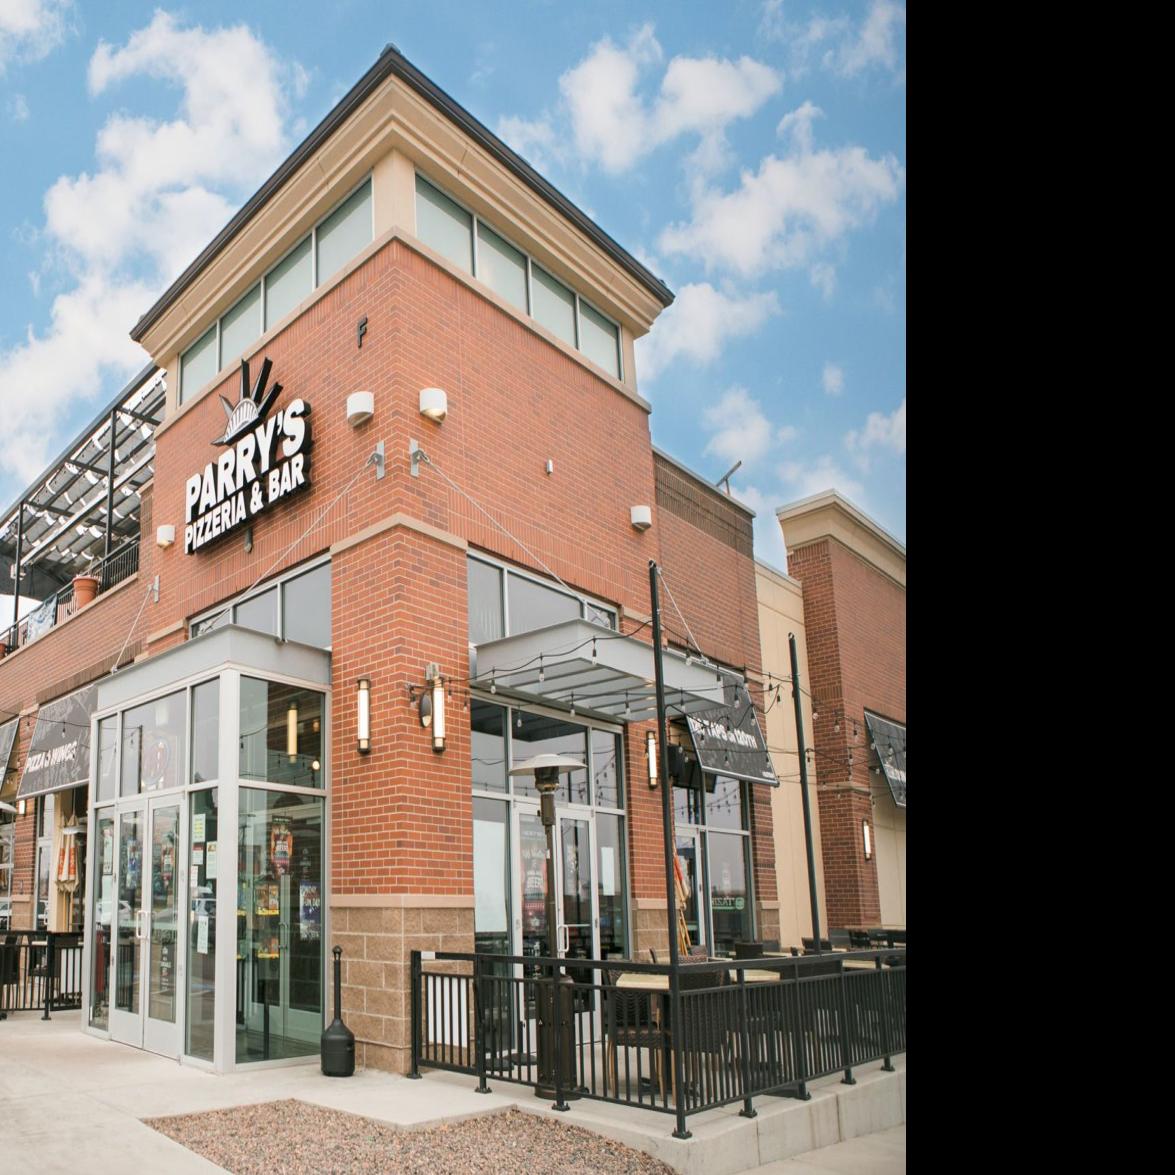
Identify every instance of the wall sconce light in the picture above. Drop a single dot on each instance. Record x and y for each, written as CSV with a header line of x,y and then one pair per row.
x,y
360,408
164,535
642,517
22,806
363,715
868,840
432,706
434,403
651,755
292,732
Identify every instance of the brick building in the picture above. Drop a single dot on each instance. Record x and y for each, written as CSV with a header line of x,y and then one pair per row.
x,y
853,576
390,464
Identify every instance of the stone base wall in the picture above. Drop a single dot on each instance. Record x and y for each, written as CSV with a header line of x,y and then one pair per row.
x,y
378,934
650,930
767,921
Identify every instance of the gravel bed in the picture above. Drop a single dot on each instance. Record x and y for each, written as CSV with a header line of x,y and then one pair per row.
x,y
293,1137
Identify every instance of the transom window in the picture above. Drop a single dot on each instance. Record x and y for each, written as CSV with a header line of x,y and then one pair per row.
x,y
296,608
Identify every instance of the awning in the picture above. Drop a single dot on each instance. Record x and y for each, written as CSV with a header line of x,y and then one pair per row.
x,y
7,740
59,753
888,739
728,740
598,672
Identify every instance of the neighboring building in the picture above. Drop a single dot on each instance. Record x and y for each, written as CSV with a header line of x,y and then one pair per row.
x,y
853,575
402,283
781,613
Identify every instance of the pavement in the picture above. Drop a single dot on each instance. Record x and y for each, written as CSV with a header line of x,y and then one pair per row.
x,y
70,1102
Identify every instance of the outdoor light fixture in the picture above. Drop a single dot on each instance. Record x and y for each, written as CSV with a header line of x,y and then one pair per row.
x,y
651,754
438,713
292,731
164,535
22,806
434,403
642,517
868,840
363,715
360,408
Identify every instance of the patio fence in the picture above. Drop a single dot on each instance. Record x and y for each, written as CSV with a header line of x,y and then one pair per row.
x,y
743,1028
40,971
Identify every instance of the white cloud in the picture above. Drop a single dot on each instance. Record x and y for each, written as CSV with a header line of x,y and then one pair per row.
x,y
18,108
880,432
159,192
873,43
741,431
535,140
832,379
612,124
813,477
840,44
699,324
822,275
31,29
798,124
789,212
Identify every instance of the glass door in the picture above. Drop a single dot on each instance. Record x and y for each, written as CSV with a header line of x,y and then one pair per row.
x,y
689,857
576,892
126,1013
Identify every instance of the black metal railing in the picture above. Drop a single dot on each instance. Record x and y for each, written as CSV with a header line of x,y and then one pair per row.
x,y
40,971
117,566
740,1028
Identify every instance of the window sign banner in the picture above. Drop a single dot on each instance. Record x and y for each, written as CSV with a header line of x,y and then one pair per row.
x,y
264,462
59,753
7,739
888,740
40,620
728,739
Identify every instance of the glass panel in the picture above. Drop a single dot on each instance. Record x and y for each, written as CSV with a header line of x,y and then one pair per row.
x,y
729,905
606,791
532,848
44,852
7,864
604,616
487,734
485,601
535,734
553,304
344,233
217,620
687,805
443,225
611,885
240,326
534,605
206,731
576,854
107,758
491,876
279,925
501,266
198,364
724,806
599,339
287,283
130,901
687,858
165,830
103,920
153,744
202,858
259,612
281,733
306,608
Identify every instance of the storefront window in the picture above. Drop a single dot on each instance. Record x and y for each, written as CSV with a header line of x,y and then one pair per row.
x,y
536,734
206,731
730,905
533,605
103,919
108,758
487,736
153,744
611,885
259,612
281,733
203,858
606,790
306,607
485,602
491,876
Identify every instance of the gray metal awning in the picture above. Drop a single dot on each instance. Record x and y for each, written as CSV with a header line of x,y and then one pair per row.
x,y
888,739
59,751
598,671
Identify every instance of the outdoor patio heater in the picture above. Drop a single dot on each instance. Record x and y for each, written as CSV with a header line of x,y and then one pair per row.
x,y
555,999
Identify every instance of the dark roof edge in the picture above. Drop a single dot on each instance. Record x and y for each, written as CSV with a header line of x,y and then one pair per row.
x,y
64,455
694,476
392,62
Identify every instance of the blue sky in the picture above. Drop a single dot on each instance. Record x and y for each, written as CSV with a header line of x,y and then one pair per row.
x,y
751,153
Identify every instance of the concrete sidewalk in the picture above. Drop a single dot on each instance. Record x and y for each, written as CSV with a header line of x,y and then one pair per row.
x,y
70,1102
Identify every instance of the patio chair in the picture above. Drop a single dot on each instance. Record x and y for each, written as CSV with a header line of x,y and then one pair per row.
x,y
699,951
707,1025
879,937
810,945
9,968
840,939
859,940
629,1023
771,944
748,950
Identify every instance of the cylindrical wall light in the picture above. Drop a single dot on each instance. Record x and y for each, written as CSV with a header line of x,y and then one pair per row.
x,y
292,732
438,714
651,755
363,715
868,840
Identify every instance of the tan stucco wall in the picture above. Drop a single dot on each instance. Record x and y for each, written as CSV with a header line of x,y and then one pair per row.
x,y
781,611
889,836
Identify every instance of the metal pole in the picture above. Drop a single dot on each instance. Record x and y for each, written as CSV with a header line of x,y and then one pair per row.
x,y
16,573
414,1072
803,753
110,492
670,853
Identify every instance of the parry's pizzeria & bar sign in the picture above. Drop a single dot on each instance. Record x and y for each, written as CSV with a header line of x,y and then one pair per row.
x,y
265,461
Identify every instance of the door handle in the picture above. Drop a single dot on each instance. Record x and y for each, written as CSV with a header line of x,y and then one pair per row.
x,y
140,924
564,938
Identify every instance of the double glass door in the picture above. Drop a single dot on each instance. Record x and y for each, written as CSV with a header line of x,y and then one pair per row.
x,y
147,961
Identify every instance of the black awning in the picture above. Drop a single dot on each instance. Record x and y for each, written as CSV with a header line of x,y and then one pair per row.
x,y
888,739
728,740
59,753
7,739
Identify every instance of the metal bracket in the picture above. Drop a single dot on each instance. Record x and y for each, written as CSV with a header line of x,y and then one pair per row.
x,y
380,462
155,591
414,452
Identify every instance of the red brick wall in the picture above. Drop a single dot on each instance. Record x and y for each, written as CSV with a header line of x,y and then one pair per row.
x,y
855,620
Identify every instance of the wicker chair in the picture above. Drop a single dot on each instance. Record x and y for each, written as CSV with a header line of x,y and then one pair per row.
x,y
748,950
708,1034
629,1024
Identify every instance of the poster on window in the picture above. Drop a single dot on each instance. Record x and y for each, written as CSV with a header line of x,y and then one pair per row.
x,y
280,847
310,909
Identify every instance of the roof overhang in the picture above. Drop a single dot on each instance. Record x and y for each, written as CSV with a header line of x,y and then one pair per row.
x,y
598,672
